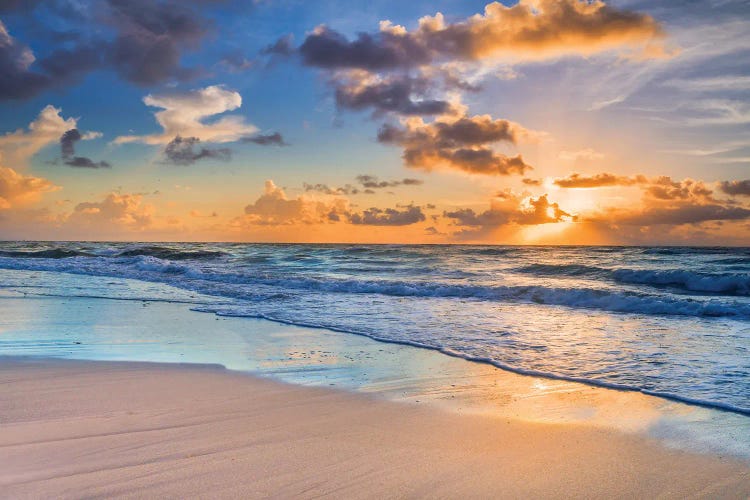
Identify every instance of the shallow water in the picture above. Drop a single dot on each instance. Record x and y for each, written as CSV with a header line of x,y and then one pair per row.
x,y
668,321
130,330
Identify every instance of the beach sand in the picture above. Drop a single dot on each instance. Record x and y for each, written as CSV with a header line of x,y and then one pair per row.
x,y
72,429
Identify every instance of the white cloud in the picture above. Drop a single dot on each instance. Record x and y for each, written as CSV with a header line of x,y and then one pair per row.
x,y
17,147
185,113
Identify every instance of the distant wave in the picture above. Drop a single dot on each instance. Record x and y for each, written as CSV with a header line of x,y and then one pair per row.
x,y
166,253
562,270
692,250
735,284
720,283
185,276
53,253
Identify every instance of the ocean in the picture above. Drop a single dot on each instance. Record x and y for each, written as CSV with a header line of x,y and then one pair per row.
x,y
667,321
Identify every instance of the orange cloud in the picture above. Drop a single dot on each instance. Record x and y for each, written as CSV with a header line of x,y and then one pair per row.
x,y
460,143
508,208
116,212
528,30
536,29
274,208
599,180
20,189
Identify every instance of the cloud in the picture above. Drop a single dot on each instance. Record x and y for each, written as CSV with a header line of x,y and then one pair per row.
x,y
68,141
404,95
274,139
144,46
16,188
665,189
18,146
459,143
23,76
67,150
372,182
121,211
7,6
532,182
184,114
274,208
403,216
236,62
84,162
369,184
529,30
345,190
582,154
675,215
180,151
599,180
284,47
736,188
151,36
510,208
667,202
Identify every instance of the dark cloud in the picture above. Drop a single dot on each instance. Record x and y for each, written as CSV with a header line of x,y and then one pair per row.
x,y
736,188
403,216
284,47
83,162
369,184
394,94
544,28
22,76
8,6
68,141
461,144
151,37
372,182
326,48
532,182
67,150
345,190
181,151
145,45
275,139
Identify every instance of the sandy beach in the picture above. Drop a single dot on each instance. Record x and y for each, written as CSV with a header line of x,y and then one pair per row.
x,y
72,429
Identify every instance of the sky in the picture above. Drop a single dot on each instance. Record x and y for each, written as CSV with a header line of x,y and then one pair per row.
x,y
576,122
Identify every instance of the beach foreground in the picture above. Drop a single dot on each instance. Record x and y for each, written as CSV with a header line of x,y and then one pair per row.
x,y
82,428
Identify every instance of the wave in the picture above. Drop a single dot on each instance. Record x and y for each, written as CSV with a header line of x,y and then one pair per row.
x,y
719,405
53,253
562,270
734,284
166,253
191,278
693,281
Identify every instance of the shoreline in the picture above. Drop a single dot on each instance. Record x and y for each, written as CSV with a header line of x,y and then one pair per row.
x,y
699,403
75,428
141,331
